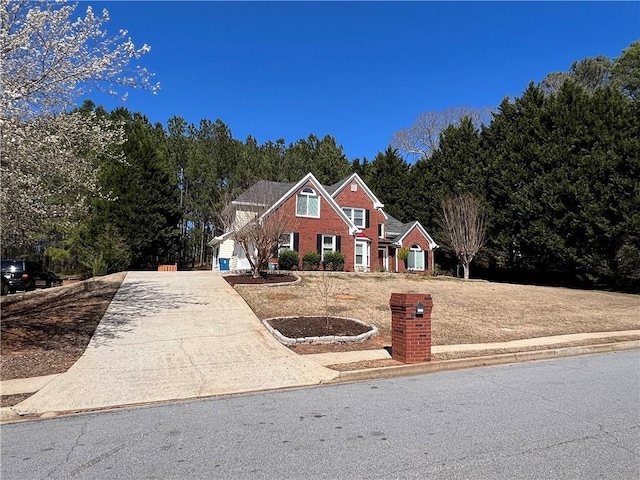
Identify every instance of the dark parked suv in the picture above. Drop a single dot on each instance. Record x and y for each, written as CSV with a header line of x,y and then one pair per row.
x,y
25,275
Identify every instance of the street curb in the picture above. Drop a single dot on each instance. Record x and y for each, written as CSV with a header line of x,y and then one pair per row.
x,y
461,363
7,415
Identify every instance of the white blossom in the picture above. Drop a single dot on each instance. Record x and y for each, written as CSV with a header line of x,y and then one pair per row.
x,y
48,60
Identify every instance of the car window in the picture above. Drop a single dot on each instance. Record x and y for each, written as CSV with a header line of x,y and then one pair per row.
x,y
12,264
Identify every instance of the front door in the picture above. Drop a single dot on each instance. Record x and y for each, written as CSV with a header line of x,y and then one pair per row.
x,y
383,259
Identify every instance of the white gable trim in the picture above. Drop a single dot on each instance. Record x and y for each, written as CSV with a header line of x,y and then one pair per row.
x,y
355,177
310,178
219,239
432,244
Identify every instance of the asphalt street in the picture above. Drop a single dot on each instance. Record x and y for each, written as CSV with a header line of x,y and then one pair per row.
x,y
571,418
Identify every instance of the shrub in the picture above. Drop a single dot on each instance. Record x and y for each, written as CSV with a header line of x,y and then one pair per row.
x,y
60,259
96,264
403,253
333,261
288,260
311,261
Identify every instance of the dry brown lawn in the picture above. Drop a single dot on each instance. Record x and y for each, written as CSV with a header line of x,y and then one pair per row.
x,y
463,311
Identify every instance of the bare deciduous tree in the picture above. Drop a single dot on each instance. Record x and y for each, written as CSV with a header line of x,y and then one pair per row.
x,y
423,137
464,226
325,286
258,233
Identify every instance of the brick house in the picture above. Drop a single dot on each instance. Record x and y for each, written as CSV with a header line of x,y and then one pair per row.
x,y
345,217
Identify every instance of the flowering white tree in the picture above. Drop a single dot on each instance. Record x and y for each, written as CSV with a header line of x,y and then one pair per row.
x,y
47,152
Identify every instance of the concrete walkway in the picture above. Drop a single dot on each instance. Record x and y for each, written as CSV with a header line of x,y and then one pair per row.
x,y
169,336
333,358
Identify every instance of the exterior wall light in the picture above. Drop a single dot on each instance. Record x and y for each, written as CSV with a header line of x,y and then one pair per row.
x,y
419,310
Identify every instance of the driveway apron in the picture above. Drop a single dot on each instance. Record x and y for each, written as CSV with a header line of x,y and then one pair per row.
x,y
169,336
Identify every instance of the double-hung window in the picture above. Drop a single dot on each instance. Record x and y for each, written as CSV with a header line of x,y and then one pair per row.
x,y
328,244
363,249
286,242
357,216
415,260
308,203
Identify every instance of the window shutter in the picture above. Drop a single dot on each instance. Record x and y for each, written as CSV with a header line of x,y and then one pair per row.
x,y
338,243
366,218
425,261
319,243
296,241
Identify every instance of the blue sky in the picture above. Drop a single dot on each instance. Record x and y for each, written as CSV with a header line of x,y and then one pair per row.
x,y
358,71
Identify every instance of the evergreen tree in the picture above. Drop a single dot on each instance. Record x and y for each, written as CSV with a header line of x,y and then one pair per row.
x,y
390,181
456,167
144,204
626,71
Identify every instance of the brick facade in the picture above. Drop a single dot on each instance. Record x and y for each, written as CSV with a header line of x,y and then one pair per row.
x,y
410,334
329,223
347,198
415,237
350,193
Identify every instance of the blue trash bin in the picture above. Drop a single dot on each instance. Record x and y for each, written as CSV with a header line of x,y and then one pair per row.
x,y
224,264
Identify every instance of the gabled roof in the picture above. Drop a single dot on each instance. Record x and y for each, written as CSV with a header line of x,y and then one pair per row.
x,y
310,178
273,194
263,193
332,188
395,227
397,231
336,188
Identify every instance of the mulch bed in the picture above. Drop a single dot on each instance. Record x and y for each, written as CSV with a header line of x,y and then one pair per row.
x,y
298,327
234,280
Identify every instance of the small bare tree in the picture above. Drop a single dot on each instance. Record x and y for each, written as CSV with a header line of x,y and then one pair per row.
x,y
325,286
258,234
464,225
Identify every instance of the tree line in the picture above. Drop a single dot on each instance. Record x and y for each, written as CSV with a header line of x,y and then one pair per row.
x,y
556,171
557,174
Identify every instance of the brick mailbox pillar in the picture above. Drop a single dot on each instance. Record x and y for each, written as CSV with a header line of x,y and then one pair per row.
x,y
411,327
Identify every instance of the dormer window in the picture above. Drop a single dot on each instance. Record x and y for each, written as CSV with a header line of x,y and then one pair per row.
x,y
308,203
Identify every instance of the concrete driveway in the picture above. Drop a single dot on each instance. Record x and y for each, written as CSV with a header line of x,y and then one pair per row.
x,y
169,336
